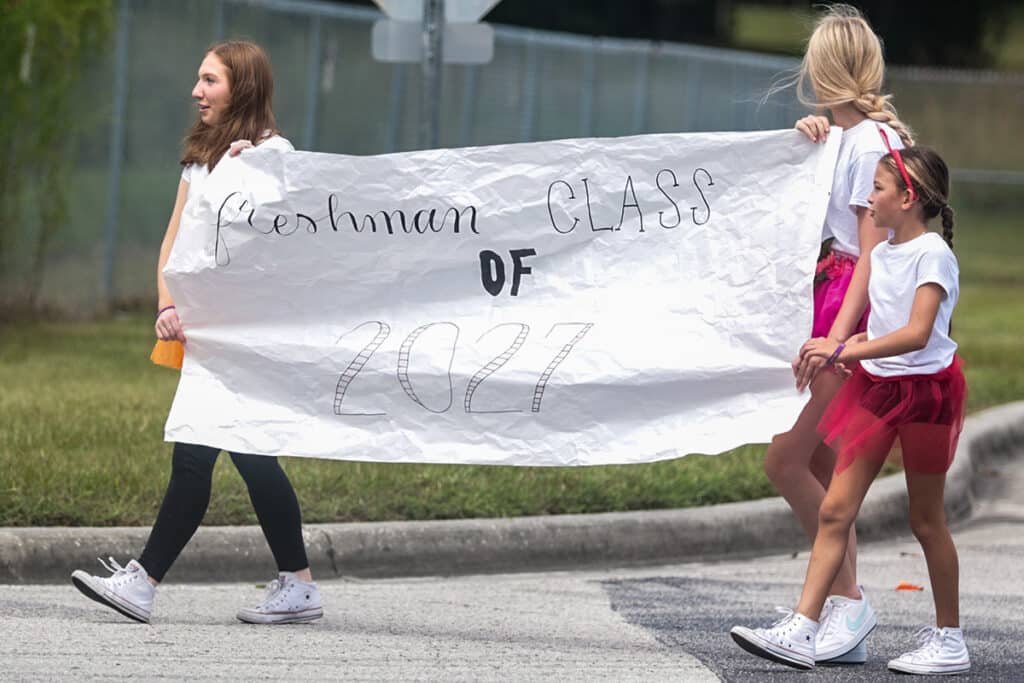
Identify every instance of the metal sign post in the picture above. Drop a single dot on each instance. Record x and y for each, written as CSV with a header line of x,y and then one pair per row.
x,y
434,33
430,93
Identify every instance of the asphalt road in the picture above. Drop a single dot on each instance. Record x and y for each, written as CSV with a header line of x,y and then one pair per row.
x,y
653,624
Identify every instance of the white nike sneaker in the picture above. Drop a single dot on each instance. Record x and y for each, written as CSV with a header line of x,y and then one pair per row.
x,y
126,590
942,651
844,625
287,601
788,641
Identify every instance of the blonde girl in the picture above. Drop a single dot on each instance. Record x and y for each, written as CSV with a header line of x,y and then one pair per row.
x,y
843,67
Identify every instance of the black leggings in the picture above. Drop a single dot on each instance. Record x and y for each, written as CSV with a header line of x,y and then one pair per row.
x,y
188,495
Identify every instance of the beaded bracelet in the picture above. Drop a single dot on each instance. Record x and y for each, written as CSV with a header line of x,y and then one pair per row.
x,y
835,355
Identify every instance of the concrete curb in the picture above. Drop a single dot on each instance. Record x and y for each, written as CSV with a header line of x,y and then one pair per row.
x,y
388,549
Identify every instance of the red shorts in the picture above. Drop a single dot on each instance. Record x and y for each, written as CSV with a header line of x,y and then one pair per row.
x,y
926,412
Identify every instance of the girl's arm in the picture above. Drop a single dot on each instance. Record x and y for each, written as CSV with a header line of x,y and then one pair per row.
x,y
911,337
854,301
856,298
168,326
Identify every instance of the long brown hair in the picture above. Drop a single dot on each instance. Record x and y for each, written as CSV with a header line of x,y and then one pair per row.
x,y
249,114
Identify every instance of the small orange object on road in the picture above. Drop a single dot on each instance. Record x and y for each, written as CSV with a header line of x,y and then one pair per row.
x,y
905,586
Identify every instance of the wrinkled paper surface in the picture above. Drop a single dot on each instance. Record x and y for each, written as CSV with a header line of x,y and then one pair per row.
x,y
335,307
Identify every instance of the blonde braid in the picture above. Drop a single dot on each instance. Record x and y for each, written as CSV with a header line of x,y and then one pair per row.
x,y
878,108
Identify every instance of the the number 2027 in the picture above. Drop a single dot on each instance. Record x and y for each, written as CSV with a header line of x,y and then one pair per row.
x,y
402,371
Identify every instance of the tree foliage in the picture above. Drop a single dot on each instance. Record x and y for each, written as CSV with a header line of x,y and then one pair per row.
x,y
43,45
955,34
698,21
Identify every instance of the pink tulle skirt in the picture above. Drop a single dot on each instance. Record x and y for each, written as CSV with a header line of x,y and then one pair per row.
x,y
831,280
926,412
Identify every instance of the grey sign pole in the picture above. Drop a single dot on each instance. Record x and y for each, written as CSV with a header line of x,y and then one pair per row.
x,y
430,95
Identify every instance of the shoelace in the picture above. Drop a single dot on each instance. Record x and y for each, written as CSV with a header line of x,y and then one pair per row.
x,y
827,622
116,569
273,588
787,615
784,621
930,640
117,572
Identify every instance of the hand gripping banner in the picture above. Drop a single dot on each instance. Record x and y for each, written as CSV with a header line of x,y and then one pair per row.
x,y
576,302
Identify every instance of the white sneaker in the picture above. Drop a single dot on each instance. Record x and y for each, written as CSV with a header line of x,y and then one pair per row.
x,y
788,641
126,590
844,625
287,601
942,651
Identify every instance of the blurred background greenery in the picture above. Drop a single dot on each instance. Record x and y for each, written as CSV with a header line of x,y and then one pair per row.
x,y
90,135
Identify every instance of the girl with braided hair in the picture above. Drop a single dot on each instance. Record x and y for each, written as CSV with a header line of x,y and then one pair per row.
x,y
841,73
909,384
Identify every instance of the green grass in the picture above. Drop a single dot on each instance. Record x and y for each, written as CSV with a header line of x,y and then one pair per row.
x,y
82,413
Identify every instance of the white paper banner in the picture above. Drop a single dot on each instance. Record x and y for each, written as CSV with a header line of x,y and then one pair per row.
x,y
578,302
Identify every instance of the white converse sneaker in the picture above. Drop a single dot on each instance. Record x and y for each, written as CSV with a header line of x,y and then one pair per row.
x,y
942,651
126,590
844,625
788,641
287,601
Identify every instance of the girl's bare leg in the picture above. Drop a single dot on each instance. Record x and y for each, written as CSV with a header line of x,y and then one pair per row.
x,y
928,522
835,518
800,467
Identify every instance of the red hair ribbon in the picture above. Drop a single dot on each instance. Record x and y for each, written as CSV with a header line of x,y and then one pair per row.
x,y
898,158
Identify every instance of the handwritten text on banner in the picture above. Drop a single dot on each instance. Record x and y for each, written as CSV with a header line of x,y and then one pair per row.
x,y
576,302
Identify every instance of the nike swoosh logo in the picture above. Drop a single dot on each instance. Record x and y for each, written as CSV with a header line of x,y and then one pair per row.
x,y
855,624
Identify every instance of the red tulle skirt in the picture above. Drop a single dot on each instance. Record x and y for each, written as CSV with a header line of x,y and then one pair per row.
x,y
926,412
831,280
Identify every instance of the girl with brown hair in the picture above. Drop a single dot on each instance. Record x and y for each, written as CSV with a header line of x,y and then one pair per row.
x,y
233,94
908,385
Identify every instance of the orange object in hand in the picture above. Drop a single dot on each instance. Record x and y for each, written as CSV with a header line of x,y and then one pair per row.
x,y
905,586
170,354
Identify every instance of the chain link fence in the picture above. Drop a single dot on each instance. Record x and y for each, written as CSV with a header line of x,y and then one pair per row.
x,y
134,105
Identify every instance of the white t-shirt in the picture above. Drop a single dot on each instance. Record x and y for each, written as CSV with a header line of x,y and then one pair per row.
x,y
195,175
897,270
859,152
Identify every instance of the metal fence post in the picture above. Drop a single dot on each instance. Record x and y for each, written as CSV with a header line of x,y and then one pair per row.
x,y
469,93
527,120
116,152
396,103
642,91
312,84
692,91
589,80
218,20
433,67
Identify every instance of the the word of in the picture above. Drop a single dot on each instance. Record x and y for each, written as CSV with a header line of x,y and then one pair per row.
x,y
492,270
